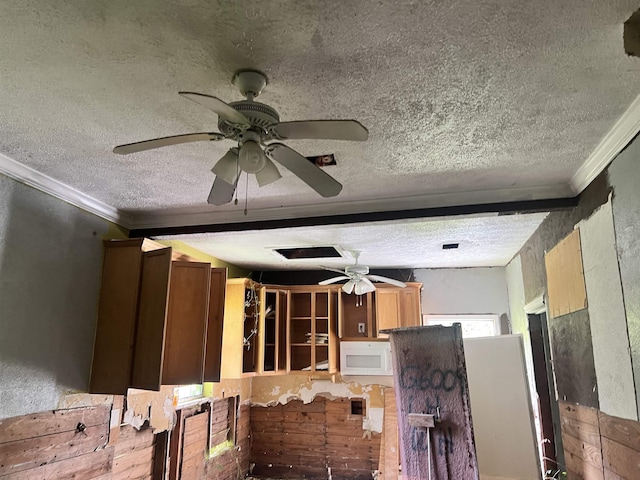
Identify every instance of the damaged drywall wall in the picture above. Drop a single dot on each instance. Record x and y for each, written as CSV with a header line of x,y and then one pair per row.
x,y
229,387
280,389
155,407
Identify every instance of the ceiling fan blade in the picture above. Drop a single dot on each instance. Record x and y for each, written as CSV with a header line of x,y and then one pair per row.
x,y
268,174
227,167
348,287
221,192
224,111
330,269
322,130
391,281
329,281
167,141
313,176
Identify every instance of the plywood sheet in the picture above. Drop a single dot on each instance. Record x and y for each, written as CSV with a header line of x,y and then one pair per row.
x,y
565,278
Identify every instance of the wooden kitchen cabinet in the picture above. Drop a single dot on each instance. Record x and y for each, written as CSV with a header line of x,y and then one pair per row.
x,y
241,335
362,317
397,307
272,346
153,318
356,316
311,329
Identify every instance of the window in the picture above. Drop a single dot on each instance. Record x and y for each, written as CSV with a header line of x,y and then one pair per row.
x,y
472,325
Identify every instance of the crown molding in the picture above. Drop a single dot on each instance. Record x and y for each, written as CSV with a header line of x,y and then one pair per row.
x,y
624,130
44,183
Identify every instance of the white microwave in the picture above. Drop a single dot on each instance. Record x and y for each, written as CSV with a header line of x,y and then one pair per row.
x,y
365,358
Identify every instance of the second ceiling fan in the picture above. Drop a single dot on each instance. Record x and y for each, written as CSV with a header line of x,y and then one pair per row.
x,y
359,280
257,129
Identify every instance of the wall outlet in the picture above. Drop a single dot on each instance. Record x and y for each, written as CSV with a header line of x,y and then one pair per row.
x,y
361,328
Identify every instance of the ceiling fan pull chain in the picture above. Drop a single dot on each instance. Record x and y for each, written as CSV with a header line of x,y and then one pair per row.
x,y
246,193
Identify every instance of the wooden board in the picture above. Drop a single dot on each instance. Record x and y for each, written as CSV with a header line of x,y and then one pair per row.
x,y
50,422
581,441
33,452
620,446
92,465
565,277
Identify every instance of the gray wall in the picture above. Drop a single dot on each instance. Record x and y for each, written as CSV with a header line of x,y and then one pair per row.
x,y
463,290
573,337
624,175
50,267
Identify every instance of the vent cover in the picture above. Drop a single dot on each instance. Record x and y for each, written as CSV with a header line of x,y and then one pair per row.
x,y
307,252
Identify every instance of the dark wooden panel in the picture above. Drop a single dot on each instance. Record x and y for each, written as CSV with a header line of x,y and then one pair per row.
x,y
150,334
570,338
213,353
186,323
117,310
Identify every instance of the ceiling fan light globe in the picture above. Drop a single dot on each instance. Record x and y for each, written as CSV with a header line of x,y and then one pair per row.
x,y
227,167
348,287
268,174
251,158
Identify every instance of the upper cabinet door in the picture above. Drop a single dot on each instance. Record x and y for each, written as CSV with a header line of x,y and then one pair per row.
x,y
213,352
152,315
187,312
397,307
117,316
410,307
170,339
387,309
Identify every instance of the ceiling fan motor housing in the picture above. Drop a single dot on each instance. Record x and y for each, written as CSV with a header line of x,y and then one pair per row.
x,y
259,115
357,269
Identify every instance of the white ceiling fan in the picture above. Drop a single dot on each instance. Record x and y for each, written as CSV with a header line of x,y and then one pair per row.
x,y
253,126
359,280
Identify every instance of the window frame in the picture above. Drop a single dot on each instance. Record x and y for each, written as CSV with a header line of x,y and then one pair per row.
x,y
428,319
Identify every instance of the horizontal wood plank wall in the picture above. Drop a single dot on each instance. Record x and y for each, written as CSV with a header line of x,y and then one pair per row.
x,y
620,447
581,441
599,446
56,444
134,454
233,463
310,440
194,444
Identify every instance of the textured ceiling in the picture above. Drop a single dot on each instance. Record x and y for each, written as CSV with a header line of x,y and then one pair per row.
x,y
507,98
484,241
